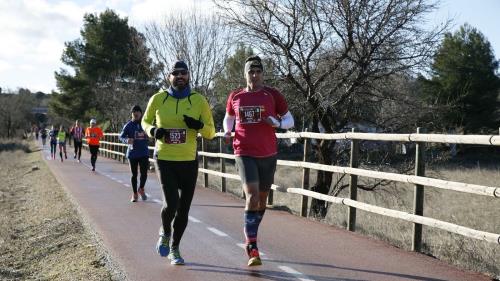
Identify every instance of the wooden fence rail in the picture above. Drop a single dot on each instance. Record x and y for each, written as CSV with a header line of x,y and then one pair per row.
x,y
110,144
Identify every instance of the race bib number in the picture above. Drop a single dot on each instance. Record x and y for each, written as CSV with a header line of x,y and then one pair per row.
x,y
93,135
140,135
250,114
175,136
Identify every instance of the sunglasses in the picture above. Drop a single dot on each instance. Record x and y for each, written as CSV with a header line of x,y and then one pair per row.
x,y
179,72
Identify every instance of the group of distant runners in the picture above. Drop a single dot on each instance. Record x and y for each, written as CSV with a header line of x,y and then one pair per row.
x,y
174,117
58,137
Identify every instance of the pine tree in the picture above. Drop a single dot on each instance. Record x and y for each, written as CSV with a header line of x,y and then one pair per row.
x,y
464,86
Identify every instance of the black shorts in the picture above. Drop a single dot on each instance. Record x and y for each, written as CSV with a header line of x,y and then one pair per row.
x,y
257,170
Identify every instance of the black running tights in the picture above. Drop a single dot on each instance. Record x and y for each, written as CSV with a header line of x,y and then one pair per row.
x,y
94,149
78,149
178,181
143,164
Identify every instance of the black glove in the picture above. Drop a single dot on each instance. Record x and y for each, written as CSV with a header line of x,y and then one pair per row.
x,y
157,133
193,123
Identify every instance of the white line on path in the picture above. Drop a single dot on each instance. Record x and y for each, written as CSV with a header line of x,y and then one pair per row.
x,y
120,181
193,219
158,201
292,271
243,246
217,232
128,185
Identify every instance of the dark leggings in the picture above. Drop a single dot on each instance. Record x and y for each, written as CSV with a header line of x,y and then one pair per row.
x,y
94,149
53,148
78,148
143,164
178,181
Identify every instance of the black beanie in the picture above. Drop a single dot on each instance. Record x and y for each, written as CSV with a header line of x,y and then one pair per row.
x,y
136,108
253,61
179,65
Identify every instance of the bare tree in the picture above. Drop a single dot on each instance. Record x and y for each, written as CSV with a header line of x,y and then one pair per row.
x,y
117,95
334,53
15,112
199,39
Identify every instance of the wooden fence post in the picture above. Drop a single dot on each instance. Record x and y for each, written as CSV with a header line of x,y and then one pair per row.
x,y
102,152
418,199
222,164
114,148
353,184
305,179
123,150
204,161
270,198
117,148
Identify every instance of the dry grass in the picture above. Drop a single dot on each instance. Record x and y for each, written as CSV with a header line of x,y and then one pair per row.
x,y
478,212
42,236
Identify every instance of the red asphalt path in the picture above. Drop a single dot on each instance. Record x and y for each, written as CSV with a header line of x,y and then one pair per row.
x,y
293,248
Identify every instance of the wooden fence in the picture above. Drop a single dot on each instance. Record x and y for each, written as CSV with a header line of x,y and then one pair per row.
x,y
111,147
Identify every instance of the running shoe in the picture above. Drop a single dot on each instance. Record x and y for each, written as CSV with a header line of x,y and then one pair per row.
x,y
144,197
175,257
134,197
163,245
74,156
254,257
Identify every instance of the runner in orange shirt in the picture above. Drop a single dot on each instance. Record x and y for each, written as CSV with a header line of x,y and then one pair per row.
x,y
93,135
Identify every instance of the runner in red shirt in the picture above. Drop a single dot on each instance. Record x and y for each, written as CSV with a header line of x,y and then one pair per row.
x,y
258,110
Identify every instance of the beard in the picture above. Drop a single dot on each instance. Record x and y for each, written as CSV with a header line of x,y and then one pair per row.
x,y
180,83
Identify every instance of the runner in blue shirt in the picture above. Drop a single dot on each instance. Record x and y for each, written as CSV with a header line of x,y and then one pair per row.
x,y
137,152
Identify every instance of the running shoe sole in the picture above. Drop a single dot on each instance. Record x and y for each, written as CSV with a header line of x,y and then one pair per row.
x,y
254,261
174,261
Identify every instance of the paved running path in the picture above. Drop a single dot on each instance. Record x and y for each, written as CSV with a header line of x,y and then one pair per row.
x,y
293,248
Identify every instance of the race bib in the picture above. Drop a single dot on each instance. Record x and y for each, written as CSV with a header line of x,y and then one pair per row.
x,y
93,135
250,114
140,135
175,136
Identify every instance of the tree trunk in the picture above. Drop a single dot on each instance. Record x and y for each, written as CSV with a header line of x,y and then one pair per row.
x,y
323,179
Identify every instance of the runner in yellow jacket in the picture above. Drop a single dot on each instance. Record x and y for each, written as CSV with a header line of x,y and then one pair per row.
x,y
174,117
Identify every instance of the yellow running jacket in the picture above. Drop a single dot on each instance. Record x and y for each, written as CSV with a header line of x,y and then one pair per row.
x,y
164,111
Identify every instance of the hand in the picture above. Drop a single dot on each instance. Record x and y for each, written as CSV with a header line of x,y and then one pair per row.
x,y
193,123
227,137
158,133
271,121
130,141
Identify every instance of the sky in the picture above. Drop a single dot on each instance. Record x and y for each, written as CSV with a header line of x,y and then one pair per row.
x,y
33,32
